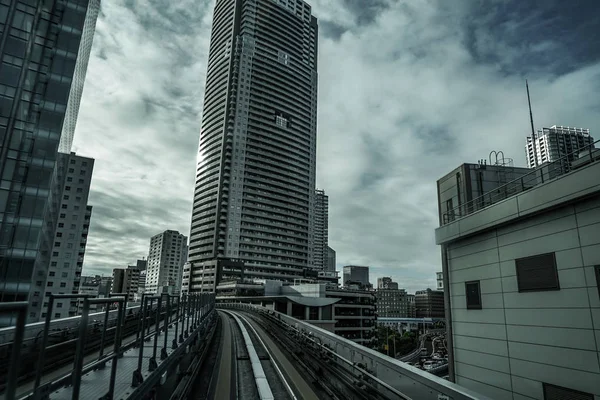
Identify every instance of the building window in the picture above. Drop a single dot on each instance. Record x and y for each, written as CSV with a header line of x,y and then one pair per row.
x,y
51,273
63,284
71,170
280,121
473,293
50,284
552,392
61,225
537,273
57,315
59,305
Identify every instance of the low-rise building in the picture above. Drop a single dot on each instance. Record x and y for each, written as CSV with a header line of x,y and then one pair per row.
x,y
522,284
349,313
429,303
126,280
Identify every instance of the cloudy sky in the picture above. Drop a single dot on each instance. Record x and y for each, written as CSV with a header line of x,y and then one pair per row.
x,y
408,90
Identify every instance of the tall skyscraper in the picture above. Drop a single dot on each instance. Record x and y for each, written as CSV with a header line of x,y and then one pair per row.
x,y
44,50
255,177
70,237
321,227
330,259
556,142
168,253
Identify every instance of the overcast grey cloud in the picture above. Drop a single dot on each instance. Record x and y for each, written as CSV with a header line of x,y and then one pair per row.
x,y
407,92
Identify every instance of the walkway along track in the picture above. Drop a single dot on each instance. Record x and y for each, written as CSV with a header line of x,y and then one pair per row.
x,y
246,365
335,377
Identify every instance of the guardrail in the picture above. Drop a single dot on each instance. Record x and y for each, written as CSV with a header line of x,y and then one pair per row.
x,y
178,320
388,374
544,172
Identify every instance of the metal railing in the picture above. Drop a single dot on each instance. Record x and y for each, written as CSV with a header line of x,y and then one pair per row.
x,y
177,319
20,308
545,172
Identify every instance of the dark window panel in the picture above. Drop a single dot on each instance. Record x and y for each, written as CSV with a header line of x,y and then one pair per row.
x,y
537,273
473,295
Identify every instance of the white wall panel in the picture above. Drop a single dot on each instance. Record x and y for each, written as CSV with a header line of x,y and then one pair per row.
x,y
489,361
527,387
488,346
564,298
564,337
489,331
569,378
483,375
569,358
486,390
560,318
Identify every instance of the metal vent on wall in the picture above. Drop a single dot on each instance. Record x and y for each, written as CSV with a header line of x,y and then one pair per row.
x,y
537,273
552,392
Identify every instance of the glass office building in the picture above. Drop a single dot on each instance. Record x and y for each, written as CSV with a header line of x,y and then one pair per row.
x,y
44,49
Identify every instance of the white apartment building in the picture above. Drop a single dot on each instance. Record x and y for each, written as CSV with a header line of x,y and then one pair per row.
x,y
556,142
321,231
522,281
167,255
70,237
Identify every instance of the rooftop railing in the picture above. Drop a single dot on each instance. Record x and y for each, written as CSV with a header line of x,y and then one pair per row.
x,y
543,173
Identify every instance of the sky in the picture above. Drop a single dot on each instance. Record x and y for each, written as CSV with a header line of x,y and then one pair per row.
x,y
408,91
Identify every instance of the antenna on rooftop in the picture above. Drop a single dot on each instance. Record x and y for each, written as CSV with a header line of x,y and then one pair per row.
x,y
532,128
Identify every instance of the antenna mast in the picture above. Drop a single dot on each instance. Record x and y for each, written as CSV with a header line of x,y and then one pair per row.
x,y
534,144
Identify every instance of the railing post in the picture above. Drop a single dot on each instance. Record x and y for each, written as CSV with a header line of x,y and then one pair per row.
x,y
163,351
41,358
152,364
13,369
117,347
78,366
182,317
104,329
150,315
139,335
137,378
175,337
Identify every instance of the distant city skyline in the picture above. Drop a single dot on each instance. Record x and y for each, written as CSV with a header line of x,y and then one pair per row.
x,y
390,122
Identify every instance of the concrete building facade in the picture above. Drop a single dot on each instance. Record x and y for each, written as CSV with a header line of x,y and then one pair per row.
x,y
346,312
556,142
70,236
471,187
392,303
44,54
429,303
255,179
166,257
126,280
523,292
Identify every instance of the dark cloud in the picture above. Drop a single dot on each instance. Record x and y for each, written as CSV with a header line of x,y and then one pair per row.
x,y
553,37
407,92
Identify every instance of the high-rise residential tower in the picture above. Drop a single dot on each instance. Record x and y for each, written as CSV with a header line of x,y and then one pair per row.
x,y
168,253
44,50
556,142
255,178
70,237
320,229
